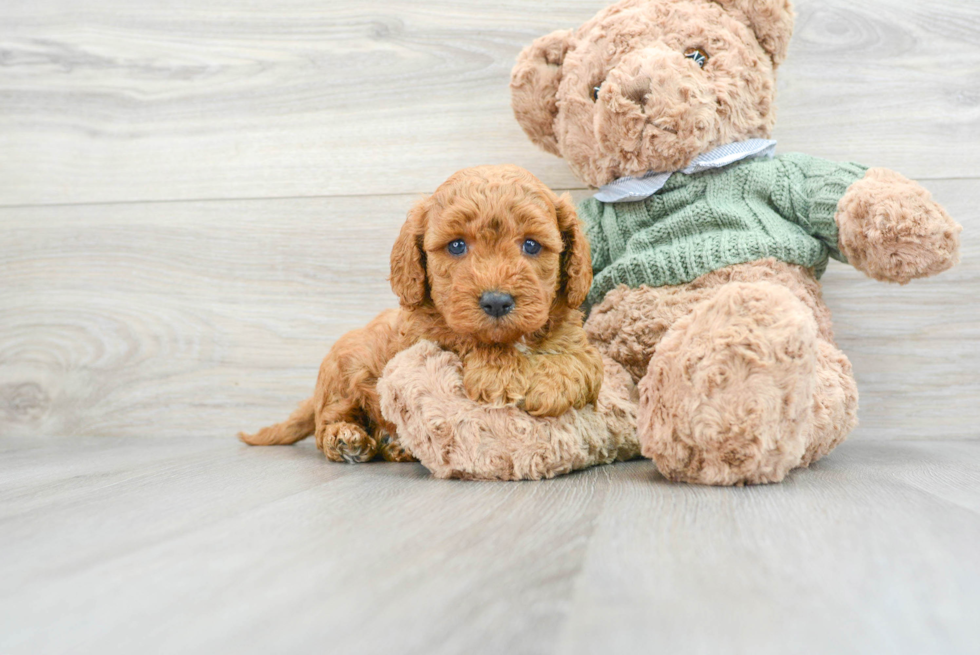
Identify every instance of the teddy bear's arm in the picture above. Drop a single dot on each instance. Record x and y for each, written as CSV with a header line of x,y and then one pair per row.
x,y
880,222
891,229
806,190
422,394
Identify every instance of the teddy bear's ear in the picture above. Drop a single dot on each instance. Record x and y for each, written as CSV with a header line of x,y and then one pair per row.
x,y
534,87
771,20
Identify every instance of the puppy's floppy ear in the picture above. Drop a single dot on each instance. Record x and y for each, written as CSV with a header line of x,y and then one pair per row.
x,y
408,279
576,259
771,20
534,88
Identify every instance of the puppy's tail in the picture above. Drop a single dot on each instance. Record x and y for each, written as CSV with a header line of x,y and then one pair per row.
x,y
299,425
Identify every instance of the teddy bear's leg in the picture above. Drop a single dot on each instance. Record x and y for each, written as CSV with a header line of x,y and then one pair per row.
x,y
728,396
629,323
835,402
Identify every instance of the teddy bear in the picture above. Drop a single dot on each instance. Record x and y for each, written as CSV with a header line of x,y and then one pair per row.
x,y
707,247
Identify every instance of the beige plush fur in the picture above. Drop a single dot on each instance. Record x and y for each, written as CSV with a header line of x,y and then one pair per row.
x,y
739,377
629,324
423,395
891,229
655,109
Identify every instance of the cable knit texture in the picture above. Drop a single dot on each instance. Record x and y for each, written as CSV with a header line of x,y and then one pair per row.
x,y
782,208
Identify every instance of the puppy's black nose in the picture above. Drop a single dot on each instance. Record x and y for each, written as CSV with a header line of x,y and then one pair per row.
x,y
496,304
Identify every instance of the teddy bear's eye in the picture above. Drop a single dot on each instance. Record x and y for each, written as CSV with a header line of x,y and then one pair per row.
x,y
595,92
697,55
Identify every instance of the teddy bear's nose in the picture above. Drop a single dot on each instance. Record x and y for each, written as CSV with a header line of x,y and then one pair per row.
x,y
637,89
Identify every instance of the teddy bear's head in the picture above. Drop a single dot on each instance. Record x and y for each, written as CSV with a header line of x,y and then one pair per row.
x,y
648,85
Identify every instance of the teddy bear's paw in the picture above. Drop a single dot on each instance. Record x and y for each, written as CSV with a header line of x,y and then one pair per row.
x,y
892,229
727,399
835,402
617,406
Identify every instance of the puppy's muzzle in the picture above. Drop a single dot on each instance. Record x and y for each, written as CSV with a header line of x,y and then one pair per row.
x,y
496,304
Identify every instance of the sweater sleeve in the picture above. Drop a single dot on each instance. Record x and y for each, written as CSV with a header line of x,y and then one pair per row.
x,y
809,191
590,211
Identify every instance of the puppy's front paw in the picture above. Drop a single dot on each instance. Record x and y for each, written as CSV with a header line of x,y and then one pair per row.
x,y
391,449
497,387
546,398
346,442
562,382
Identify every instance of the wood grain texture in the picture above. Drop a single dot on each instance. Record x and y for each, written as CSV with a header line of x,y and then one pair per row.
x,y
860,568
170,319
118,101
205,318
196,199
205,545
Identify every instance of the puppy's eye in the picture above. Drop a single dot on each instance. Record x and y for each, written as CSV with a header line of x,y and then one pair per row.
x,y
457,247
531,247
595,92
697,55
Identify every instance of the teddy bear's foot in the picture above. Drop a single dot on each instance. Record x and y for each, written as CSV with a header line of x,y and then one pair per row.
x,y
835,403
728,396
346,442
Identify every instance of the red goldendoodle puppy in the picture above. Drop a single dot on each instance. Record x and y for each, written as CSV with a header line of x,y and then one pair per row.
x,y
492,266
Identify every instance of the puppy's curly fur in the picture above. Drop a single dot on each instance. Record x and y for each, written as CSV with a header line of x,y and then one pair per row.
x,y
535,357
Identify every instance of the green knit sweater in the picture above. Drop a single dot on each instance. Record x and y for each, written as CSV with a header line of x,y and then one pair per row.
x,y
782,207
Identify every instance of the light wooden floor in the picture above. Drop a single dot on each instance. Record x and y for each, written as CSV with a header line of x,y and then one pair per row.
x,y
197,198
183,545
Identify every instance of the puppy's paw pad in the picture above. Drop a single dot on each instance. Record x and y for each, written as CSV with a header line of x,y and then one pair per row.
x,y
391,449
346,442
